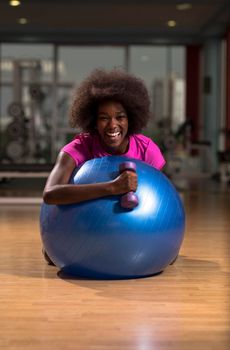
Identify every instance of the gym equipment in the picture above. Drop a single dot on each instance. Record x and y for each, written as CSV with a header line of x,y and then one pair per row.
x,y
15,150
15,130
101,239
128,200
16,110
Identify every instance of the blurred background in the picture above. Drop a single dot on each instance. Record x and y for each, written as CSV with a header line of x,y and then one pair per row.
x,y
180,49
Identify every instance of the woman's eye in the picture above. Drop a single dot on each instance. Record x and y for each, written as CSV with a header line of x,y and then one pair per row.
x,y
122,117
103,118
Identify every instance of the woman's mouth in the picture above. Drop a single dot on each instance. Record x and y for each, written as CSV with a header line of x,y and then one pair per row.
x,y
113,135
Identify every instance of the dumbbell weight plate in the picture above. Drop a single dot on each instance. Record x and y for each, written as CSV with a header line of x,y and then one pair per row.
x,y
15,109
14,150
15,130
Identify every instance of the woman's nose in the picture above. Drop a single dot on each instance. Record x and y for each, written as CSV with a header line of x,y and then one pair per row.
x,y
112,123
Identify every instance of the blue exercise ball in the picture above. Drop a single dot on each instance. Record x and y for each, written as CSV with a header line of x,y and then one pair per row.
x,y
101,239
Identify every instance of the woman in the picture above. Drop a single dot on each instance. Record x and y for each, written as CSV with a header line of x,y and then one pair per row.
x,y
111,108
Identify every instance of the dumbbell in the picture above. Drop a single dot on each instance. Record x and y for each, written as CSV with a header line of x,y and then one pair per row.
x,y
128,200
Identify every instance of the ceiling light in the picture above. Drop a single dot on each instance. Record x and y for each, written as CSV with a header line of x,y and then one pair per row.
x,y
23,21
171,23
14,2
184,6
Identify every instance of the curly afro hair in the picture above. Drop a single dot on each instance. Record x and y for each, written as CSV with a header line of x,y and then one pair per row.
x,y
115,85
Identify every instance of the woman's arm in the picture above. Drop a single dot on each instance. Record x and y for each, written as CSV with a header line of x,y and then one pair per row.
x,y
58,191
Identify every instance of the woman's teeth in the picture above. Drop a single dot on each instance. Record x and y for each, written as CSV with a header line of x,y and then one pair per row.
x,y
113,134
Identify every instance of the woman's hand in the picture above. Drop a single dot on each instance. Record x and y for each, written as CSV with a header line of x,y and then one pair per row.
x,y
125,182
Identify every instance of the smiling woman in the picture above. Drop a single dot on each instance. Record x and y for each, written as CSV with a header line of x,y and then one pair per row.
x,y
111,108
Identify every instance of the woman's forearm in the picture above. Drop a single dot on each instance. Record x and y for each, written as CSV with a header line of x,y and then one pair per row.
x,y
69,194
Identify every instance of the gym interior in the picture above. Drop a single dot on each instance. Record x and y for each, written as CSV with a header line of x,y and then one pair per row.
x,y
182,53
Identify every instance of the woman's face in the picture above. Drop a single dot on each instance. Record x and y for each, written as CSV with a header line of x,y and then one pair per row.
x,y
112,126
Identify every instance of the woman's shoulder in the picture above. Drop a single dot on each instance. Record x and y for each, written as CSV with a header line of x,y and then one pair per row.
x,y
148,151
83,137
142,139
80,148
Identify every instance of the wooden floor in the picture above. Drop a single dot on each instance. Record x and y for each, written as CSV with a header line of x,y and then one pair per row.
x,y
186,307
